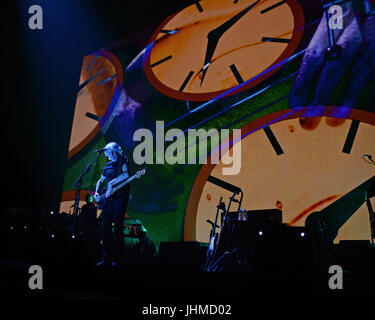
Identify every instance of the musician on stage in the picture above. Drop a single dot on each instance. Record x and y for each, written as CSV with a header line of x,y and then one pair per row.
x,y
115,207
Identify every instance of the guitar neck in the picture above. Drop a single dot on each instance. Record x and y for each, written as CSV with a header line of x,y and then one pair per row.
x,y
121,184
116,185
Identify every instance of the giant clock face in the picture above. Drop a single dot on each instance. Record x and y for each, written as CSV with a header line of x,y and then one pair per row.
x,y
100,81
215,45
297,164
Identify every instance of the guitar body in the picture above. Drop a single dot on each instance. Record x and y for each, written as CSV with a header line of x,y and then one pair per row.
x,y
116,185
103,201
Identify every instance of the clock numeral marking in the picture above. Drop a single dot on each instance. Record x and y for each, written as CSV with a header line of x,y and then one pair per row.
x,y
84,84
106,80
186,81
273,6
350,137
198,5
281,40
92,62
236,73
160,61
92,116
271,137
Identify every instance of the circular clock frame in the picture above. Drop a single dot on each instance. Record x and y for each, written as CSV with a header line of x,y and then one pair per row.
x,y
299,21
301,112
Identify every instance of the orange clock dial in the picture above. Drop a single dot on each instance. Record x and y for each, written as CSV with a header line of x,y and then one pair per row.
x,y
101,75
212,46
309,164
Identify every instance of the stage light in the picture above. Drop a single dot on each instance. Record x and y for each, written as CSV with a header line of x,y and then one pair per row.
x,y
73,236
260,232
52,235
11,227
51,212
302,234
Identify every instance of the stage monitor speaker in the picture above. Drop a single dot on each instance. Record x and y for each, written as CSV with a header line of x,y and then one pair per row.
x,y
270,246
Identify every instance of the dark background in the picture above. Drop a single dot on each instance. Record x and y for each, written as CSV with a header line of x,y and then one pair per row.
x,y
40,83
42,69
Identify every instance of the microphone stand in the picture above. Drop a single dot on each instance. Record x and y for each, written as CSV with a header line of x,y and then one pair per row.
x,y
77,184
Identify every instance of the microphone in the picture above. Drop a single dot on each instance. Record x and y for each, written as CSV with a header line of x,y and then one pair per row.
x,y
99,150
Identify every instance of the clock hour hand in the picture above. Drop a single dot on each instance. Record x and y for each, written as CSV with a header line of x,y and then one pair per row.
x,y
215,34
211,46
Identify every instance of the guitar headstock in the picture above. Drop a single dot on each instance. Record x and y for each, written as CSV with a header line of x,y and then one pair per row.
x,y
140,173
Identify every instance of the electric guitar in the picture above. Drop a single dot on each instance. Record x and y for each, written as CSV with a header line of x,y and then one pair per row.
x,y
115,185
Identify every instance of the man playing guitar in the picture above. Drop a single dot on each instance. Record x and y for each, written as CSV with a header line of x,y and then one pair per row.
x,y
115,206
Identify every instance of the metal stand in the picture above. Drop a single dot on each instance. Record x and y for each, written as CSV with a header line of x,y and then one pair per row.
x,y
219,258
213,235
77,184
371,194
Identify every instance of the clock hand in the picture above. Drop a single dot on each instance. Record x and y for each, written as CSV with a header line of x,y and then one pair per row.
x,y
215,34
229,23
211,46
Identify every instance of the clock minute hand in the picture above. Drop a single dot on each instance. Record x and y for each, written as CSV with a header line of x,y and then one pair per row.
x,y
215,34
220,30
